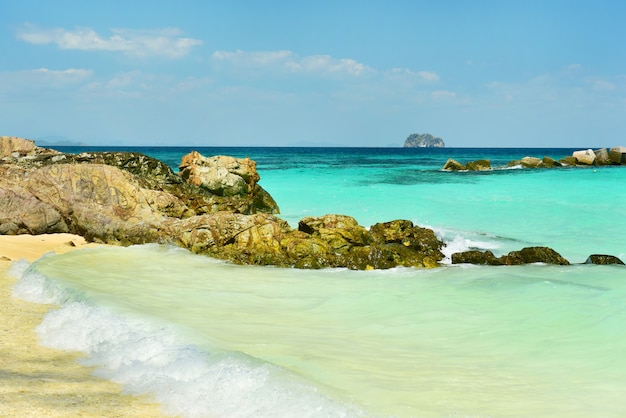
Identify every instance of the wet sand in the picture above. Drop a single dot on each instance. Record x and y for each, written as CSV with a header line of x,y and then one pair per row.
x,y
40,382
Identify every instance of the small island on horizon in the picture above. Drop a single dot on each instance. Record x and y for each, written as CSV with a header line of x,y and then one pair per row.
x,y
423,141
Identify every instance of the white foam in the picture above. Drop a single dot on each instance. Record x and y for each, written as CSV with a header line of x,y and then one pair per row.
x,y
456,242
32,286
146,358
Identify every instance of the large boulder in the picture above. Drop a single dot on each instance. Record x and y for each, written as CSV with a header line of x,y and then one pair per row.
x,y
550,162
23,213
244,239
479,165
221,175
100,202
476,257
531,162
568,160
530,255
584,157
453,165
319,242
13,146
617,155
225,184
602,157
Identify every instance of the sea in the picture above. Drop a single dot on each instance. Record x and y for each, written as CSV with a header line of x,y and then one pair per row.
x,y
206,338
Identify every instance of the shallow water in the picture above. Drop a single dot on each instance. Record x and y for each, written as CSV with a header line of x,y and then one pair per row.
x,y
214,339
456,341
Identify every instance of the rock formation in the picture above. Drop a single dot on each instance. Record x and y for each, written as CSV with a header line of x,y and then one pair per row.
x,y
526,255
214,206
423,141
586,158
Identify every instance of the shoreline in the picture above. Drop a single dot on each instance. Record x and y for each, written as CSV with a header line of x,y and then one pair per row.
x,y
44,382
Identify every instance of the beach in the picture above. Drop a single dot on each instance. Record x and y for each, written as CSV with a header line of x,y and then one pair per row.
x,y
41,382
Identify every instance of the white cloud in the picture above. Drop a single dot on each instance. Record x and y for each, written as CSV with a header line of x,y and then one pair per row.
x,y
41,82
287,61
602,85
44,77
421,76
440,95
139,43
258,58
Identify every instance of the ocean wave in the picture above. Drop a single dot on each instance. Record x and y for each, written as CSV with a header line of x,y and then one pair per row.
x,y
456,241
157,360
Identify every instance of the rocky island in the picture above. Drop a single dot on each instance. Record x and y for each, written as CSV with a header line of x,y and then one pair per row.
x,y
213,206
423,141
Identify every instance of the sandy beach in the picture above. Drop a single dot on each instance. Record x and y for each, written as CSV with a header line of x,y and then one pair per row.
x,y
40,382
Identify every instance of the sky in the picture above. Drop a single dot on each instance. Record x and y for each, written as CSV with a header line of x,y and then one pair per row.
x,y
321,73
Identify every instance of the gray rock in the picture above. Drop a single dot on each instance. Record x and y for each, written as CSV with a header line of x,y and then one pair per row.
x,y
423,141
584,157
617,155
602,157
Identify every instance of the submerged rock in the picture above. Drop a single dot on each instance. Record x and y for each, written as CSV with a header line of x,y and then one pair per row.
x,y
528,255
603,259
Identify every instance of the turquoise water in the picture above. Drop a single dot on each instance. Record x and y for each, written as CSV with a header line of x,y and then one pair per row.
x,y
207,338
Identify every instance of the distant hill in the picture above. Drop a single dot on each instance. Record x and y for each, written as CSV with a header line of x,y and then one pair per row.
x,y
423,141
49,141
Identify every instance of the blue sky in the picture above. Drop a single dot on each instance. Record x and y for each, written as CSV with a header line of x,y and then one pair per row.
x,y
323,73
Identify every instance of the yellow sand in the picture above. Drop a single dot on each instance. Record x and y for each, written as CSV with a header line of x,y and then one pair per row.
x,y
42,382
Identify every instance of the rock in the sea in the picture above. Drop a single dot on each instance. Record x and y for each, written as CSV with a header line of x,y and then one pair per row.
x,y
531,255
568,160
528,255
423,141
602,157
476,257
617,155
531,162
603,259
550,162
453,165
319,242
585,157
479,165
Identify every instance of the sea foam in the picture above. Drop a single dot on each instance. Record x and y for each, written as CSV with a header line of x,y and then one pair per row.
x,y
156,360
